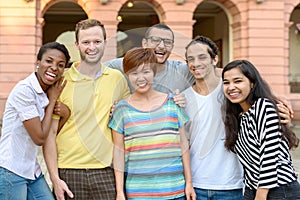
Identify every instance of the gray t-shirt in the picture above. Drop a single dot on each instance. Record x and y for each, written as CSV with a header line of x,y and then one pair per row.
x,y
175,76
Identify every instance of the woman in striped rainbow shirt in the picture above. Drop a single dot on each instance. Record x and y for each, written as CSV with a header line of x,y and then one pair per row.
x,y
151,153
254,132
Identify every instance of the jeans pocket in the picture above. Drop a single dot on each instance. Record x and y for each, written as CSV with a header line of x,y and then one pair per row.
x,y
290,191
249,194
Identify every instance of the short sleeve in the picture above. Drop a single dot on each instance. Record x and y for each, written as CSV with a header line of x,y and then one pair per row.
x,y
182,117
24,100
117,120
115,64
186,73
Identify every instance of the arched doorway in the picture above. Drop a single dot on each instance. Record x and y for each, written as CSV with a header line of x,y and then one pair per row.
x,y
212,21
60,21
294,44
134,17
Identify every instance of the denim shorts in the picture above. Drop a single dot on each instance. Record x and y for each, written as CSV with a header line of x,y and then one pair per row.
x,y
14,187
290,191
204,194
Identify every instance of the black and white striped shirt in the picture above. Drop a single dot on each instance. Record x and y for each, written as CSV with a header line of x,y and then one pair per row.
x,y
262,149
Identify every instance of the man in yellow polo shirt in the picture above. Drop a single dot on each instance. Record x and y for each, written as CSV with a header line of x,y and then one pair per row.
x,y
82,150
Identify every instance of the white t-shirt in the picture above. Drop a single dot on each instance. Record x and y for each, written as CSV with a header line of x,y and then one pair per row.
x,y
18,153
213,167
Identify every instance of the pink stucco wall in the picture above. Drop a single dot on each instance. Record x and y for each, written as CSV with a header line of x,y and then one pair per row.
x,y
259,33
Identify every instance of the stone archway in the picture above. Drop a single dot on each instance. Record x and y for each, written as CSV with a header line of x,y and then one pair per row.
x,y
61,17
212,21
134,17
294,49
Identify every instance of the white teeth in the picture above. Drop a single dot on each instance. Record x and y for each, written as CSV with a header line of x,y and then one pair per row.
x,y
160,53
233,94
141,84
198,68
50,74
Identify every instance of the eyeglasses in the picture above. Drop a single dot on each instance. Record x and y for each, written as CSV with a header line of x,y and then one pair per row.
x,y
156,41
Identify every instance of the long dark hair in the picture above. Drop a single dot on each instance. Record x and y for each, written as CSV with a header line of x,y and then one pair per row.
x,y
260,90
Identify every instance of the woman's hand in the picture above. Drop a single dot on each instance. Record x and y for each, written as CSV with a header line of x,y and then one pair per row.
x,y
54,90
261,194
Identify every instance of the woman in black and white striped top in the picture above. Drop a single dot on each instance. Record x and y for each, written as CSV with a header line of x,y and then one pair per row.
x,y
254,132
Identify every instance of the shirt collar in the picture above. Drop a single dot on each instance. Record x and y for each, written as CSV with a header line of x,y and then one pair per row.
x,y
76,75
32,78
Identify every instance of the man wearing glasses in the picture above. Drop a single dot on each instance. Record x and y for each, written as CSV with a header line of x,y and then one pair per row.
x,y
171,74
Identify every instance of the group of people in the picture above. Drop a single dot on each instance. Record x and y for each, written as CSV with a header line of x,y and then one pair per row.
x,y
179,130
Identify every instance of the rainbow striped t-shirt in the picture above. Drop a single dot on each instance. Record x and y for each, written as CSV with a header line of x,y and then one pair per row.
x,y
153,162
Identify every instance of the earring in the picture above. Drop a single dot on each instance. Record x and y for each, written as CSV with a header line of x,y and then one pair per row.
x,y
37,67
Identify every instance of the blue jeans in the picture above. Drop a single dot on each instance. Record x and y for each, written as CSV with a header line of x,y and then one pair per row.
x,y
14,187
290,191
180,198
203,194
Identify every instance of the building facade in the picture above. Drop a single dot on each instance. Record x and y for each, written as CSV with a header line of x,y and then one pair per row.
x,y
262,31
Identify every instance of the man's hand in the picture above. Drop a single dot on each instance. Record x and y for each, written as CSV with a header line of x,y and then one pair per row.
x,y
112,108
62,110
286,112
60,187
287,104
179,98
190,192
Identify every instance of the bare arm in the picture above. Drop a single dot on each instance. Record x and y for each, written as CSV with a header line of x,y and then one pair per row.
x,y
189,190
37,130
50,155
118,161
63,111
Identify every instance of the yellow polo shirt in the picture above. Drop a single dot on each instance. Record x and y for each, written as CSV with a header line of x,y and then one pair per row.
x,y
85,140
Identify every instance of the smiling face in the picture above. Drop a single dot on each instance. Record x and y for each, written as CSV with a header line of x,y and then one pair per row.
x,y
199,61
51,67
164,47
141,78
91,44
237,87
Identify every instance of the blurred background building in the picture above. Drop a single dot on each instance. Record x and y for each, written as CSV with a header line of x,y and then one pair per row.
x,y
266,32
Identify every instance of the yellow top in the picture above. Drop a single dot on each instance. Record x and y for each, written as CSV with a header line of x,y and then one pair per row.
x,y
85,140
